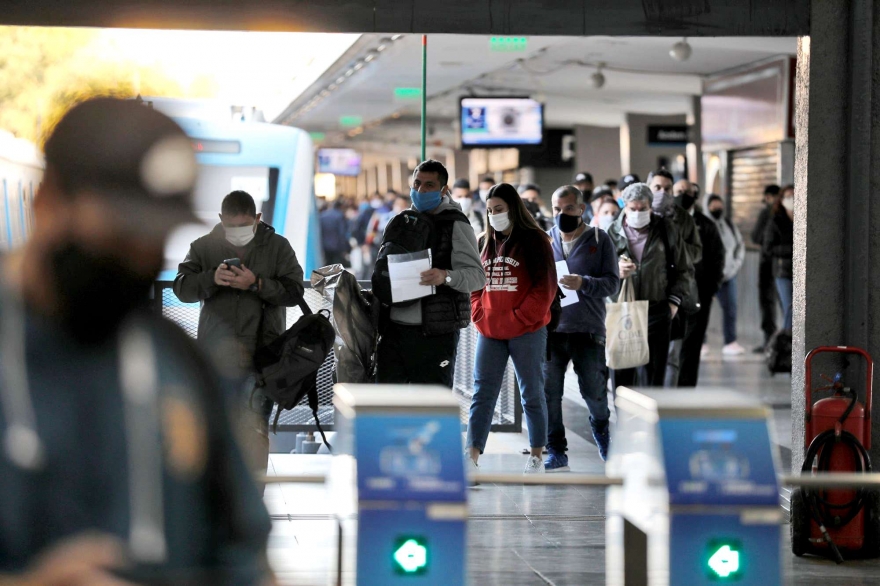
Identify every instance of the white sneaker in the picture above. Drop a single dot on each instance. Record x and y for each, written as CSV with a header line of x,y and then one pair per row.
x,y
534,466
705,351
472,468
733,349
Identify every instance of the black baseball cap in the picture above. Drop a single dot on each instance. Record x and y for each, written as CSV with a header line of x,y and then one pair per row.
x,y
135,158
582,177
627,180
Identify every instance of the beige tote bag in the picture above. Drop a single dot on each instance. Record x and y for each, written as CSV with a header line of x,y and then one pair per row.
x,y
626,324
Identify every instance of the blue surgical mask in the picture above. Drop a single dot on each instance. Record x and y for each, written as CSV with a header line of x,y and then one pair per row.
x,y
425,202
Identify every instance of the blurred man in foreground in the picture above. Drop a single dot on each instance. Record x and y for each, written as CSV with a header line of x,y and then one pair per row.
x,y
118,465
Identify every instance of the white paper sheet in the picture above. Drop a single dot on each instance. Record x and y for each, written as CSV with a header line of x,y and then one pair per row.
x,y
405,272
570,296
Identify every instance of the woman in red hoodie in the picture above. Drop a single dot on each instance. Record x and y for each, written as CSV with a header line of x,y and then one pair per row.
x,y
511,315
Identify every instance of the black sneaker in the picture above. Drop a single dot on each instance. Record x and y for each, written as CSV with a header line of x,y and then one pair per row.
x,y
602,437
759,349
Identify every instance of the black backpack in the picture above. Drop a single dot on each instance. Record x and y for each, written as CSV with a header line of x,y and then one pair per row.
x,y
409,231
287,368
778,352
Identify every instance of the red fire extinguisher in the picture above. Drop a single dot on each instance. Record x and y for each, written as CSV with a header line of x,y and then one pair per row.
x,y
837,437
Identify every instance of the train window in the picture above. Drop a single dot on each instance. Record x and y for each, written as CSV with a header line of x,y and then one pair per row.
x,y
216,181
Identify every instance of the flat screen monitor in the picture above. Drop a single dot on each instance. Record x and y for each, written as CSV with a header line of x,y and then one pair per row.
x,y
339,162
501,122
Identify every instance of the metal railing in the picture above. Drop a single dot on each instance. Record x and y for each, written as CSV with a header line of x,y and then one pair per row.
x,y
508,411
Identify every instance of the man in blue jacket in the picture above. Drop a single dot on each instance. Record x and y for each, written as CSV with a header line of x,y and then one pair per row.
x,y
580,336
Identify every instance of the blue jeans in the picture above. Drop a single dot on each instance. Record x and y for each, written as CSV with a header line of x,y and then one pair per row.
x,y
727,299
784,287
588,356
528,352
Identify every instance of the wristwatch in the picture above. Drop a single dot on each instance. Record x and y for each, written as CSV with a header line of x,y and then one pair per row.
x,y
448,279
255,288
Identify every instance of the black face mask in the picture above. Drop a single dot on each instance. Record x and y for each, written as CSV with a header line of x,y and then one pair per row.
x,y
95,293
717,214
685,200
567,223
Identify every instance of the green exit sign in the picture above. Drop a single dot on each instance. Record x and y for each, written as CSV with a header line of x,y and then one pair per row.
x,y
724,560
407,93
508,44
410,556
317,136
348,121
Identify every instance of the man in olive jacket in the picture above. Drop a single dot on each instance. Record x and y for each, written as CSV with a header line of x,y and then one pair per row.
x,y
243,307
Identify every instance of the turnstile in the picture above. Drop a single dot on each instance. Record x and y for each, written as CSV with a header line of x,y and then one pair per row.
x,y
398,482
700,498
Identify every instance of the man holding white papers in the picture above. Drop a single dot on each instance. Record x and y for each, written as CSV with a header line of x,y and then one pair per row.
x,y
587,267
421,320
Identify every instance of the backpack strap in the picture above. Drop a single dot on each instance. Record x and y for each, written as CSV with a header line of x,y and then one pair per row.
x,y
313,405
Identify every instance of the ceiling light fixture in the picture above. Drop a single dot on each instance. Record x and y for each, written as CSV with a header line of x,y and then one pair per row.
x,y
384,43
598,78
371,55
681,51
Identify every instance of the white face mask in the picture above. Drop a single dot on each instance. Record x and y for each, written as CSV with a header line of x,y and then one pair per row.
x,y
605,222
499,222
240,236
638,220
788,203
484,194
467,205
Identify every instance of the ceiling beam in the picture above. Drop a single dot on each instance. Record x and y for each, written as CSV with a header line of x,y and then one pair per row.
x,y
489,17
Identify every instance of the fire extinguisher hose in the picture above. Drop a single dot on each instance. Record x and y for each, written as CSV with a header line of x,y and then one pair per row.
x,y
823,512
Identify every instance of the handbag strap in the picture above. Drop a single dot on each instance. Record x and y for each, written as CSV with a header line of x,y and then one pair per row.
x,y
627,292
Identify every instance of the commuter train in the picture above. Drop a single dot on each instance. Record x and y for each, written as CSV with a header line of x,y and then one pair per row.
x,y
273,163
21,170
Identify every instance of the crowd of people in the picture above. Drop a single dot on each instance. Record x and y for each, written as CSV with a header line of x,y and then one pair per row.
x,y
679,254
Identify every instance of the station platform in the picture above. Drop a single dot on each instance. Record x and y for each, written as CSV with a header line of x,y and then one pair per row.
x,y
533,535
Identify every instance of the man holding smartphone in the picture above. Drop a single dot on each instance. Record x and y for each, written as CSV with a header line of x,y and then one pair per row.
x,y
245,275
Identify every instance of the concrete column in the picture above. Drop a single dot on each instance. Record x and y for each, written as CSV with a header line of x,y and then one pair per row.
x,y
643,157
597,151
461,167
382,177
836,234
695,147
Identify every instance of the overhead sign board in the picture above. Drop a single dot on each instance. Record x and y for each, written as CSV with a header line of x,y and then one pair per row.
x,y
667,135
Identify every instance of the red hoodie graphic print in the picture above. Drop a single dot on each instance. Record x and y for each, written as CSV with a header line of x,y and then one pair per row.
x,y
520,286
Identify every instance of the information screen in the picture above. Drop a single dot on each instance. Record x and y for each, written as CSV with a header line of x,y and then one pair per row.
x,y
339,162
501,122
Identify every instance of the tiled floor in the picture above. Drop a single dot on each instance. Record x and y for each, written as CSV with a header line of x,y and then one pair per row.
x,y
535,535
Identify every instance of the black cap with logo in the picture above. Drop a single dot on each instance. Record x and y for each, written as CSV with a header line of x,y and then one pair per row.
x,y
583,177
134,157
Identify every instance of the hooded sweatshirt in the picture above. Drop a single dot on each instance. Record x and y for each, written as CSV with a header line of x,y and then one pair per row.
x,y
521,286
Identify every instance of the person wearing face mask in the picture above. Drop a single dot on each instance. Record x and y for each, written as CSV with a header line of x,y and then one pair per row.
x,y
779,246
684,367
118,464
580,336
486,183
735,254
243,307
767,296
511,314
419,340
531,196
652,255
461,194
608,212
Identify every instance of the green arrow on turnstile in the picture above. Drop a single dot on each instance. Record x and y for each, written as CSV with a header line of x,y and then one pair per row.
x,y
411,556
725,561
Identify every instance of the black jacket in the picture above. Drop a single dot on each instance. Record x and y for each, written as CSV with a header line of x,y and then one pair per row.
x,y
761,228
779,244
228,312
709,272
654,280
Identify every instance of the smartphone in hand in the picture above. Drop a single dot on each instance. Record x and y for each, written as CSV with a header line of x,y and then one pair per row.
x,y
232,262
